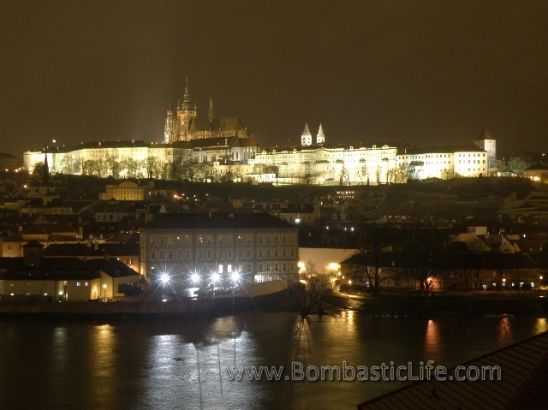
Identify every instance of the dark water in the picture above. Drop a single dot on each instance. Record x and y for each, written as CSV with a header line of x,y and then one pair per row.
x,y
151,365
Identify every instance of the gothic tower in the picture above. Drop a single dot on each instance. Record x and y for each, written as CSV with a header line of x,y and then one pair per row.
x,y
320,137
170,128
186,115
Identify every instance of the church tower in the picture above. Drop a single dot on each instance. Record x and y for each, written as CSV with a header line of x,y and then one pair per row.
x,y
320,137
306,137
186,115
170,128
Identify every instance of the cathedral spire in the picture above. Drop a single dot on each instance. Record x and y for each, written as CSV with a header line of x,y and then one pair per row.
x,y
186,103
320,137
210,115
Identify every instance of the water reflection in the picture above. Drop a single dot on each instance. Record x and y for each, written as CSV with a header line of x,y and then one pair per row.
x,y
541,325
504,331
101,366
432,340
181,364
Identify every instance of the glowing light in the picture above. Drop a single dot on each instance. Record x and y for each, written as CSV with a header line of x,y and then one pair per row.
x,y
104,285
297,220
164,278
195,278
215,277
235,276
541,277
333,266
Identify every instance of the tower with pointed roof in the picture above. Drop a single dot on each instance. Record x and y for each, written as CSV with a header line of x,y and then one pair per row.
x,y
210,115
306,137
320,137
186,115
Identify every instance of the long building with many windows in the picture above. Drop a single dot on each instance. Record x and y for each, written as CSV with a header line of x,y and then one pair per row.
x,y
193,247
239,158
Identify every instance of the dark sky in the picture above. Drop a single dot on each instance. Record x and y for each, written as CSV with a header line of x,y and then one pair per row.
x,y
423,72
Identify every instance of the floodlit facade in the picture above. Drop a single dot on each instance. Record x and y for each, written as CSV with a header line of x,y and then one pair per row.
x,y
331,165
444,163
124,191
259,245
225,154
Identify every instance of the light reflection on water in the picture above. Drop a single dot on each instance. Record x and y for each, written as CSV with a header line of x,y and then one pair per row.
x,y
432,340
181,364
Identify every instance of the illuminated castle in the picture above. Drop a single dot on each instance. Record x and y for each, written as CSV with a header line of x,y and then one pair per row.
x,y
185,125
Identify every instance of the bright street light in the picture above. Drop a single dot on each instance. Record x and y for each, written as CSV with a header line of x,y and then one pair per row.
x,y
164,278
195,278
235,276
215,277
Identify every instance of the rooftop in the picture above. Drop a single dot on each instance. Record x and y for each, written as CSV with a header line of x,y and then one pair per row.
x,y
523,385
216,221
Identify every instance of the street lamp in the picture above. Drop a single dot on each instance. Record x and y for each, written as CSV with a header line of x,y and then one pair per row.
x,y
235,276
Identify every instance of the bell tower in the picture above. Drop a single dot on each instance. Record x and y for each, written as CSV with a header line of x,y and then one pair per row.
x,y
186,115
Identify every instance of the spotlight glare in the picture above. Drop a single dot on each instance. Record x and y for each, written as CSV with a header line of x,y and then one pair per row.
x,y
164,278
235,276
195,278
215,277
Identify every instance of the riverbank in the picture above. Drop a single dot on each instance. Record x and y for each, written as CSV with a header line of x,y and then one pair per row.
x,y
438,304
179,307
390,304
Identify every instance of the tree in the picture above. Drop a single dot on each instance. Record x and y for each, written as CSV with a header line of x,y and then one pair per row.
x,y
399,174
152,167
518,165
131,167
113,166
372,241
420,255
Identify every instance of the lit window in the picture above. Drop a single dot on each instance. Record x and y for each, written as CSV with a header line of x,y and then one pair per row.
x,y
77,283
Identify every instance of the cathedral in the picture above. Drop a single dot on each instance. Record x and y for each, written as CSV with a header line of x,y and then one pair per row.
x,y
185,125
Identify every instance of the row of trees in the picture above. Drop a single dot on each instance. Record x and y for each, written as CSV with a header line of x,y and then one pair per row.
x,y
150,168
422,254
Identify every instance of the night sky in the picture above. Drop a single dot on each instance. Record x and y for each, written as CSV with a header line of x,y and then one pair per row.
x,y
422,72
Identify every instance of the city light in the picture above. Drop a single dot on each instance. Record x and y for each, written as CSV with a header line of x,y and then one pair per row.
x,y
334,266
215,277
235,276
195,278
164,278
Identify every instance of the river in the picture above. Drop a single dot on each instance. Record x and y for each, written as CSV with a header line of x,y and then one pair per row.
x,y
153,364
